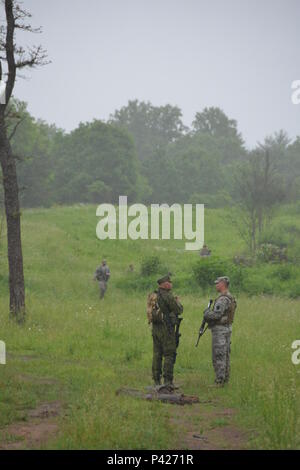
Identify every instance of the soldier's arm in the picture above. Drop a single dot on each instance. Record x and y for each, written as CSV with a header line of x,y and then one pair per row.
x,y
95,275
175,305
219,310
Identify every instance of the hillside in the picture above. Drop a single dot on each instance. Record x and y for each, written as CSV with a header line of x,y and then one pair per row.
x,y
74,352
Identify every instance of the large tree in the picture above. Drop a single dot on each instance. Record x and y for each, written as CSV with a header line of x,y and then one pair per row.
x,y
214,123
152,127
258,189
14,58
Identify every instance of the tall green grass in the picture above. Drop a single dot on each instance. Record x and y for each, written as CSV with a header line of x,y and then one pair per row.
x,y
92,348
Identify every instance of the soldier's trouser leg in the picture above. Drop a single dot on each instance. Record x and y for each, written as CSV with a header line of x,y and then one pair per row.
x,y
102,287
157,358
219,352
228,350
169,351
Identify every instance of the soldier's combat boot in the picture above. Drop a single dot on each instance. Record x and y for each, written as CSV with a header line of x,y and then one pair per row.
x,y
167,387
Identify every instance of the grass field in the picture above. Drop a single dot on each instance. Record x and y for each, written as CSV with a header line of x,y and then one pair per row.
x,y
76,352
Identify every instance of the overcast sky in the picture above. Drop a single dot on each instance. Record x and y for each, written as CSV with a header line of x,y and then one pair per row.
x,y
240,55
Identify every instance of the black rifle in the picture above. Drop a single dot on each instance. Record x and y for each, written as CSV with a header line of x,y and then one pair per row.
x,y
202,329
177,335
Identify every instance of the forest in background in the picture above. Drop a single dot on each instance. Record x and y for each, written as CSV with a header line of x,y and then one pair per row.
x,y
147,153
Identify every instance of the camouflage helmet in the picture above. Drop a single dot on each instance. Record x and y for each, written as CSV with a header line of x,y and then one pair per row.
x,y
163,279
223,279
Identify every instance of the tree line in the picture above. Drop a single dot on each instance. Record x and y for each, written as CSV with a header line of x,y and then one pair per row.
x,y
147,153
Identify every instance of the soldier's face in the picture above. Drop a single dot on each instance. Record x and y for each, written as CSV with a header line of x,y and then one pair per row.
x,y
221,286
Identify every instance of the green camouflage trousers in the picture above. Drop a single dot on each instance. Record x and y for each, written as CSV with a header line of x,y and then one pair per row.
x,y
164,348
221,340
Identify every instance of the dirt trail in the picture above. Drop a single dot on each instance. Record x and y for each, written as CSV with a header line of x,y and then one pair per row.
x,y
202,426
205,427
40,426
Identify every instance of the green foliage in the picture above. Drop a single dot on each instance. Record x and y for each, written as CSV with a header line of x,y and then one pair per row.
x,y
284,272
151,265
90,349
295,290
206,271
269,253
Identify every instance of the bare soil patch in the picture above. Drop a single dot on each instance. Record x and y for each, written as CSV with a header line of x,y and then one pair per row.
x,y
208,428
40,426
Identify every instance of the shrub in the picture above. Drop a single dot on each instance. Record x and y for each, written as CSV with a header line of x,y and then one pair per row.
x,y
151,265
257,285
243,260
206,270
269,253
284,273
295,291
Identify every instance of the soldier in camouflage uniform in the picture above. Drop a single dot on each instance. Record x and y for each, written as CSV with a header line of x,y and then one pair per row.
x,y
102,275
163,333
220,320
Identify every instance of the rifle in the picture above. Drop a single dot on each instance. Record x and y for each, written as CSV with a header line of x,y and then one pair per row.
x,y
177,335
202,329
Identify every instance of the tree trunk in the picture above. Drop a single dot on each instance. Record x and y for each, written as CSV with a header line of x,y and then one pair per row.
x,y
12,211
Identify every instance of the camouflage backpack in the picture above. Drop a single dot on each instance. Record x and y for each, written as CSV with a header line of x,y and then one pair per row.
x,y
154,314
232,307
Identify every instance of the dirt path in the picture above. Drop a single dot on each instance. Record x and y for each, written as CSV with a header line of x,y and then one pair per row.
x,y
202,426
40,426
207,427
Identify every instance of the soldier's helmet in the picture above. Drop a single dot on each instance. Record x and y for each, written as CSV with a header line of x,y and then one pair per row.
x,y
166,278
223,279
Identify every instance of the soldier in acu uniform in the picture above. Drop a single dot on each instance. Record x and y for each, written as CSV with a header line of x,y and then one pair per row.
x,y
165,334
102,275
220,320
205,251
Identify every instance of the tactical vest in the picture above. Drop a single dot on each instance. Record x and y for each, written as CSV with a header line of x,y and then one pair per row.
x,y
231,309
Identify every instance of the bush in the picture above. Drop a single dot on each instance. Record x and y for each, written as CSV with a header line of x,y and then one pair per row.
x,y
269,253
206,270
284,273
243,260
295,291
258,285
151,265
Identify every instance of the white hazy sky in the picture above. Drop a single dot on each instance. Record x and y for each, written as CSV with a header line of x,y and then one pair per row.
x,y
240,55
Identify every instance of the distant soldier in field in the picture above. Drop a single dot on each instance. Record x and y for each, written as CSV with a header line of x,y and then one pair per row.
x,y
205,251
220,320
163,310
130,268
102,275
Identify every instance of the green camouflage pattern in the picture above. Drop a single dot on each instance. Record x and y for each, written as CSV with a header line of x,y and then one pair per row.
x,y
164,337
